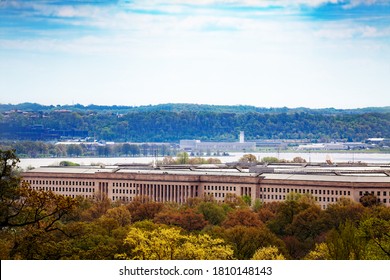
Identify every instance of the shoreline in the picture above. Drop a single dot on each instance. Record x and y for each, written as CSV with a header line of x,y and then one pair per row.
x,y
312,157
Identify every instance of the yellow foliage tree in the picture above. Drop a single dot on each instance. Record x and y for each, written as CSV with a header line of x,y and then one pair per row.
x,y
320,252
170,244
268,253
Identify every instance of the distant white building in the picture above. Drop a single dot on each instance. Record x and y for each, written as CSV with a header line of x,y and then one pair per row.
x,y
242,137
334,146
320,146
375,140
385,142
206,147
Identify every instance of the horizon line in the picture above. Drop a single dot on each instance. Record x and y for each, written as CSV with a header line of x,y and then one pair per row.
x,y
186,103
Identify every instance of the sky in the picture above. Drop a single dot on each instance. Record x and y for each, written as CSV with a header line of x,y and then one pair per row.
x,y
265,53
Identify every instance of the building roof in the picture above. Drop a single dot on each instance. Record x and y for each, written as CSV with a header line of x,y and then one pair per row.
x,y
330,174
329,178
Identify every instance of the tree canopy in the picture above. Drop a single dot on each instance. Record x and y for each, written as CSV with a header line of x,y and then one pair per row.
x,y
172,123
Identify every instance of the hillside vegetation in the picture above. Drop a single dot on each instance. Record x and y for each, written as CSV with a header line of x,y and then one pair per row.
x,y
172,122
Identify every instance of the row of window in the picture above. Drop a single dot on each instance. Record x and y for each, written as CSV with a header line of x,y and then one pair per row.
x,y
378,193
271,196
219,188
283,197
120,191
122,198
61,183
134,185
319,199
311,191
216,194
120,184
64,189
157,191
127,191
78,195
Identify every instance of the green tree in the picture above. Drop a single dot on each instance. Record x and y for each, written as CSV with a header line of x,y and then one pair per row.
x,y
104,150
376,232
120,215
60,151
369,200
134,150
270,160
212,212
234,201
74,150
246,240
98,208
9,182
288,209
342,211
345,243
125,149
21,206
247,199
68,163
182,158
307,224
99,239
257,205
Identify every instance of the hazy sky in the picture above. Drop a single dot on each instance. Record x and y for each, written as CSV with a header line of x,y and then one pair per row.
x,y
266,53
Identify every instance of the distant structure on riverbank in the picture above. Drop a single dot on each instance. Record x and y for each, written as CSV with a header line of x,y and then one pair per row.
x,y
196,146
370,143
336,146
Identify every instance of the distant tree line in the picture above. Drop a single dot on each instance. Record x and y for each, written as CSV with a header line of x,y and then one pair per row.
x,y
34,149
179,107
171,126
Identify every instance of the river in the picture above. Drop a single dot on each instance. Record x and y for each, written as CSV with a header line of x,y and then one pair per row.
x,y
380,158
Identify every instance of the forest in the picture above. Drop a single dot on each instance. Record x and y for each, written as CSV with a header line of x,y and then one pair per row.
x,y
42,225
179,107
173,122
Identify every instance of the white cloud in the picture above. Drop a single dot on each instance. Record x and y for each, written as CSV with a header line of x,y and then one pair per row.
x,y
208,52
254,3
355,3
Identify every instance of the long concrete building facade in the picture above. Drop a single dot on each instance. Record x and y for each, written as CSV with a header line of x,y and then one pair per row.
x,y
178,185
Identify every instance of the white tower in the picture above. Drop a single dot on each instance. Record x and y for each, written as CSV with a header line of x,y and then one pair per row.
x,y
242,137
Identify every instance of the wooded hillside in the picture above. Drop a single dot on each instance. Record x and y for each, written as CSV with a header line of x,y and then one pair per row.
x,y
172,122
